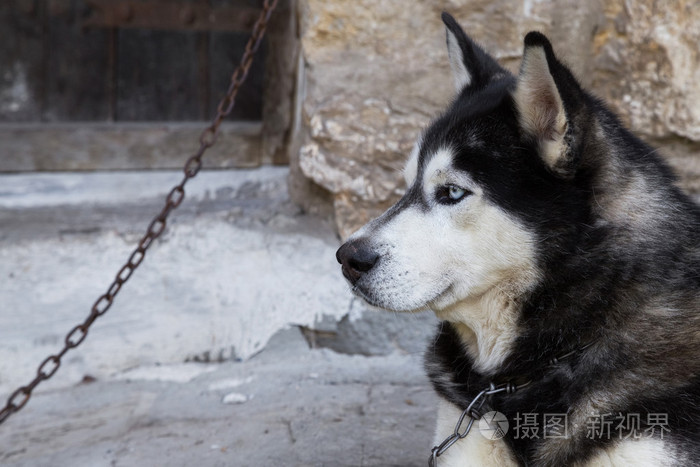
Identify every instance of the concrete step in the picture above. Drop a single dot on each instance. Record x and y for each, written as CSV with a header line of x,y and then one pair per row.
x,y
238,264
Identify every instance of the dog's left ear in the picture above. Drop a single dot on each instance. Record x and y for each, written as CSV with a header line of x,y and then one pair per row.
x,y
549,100
471,66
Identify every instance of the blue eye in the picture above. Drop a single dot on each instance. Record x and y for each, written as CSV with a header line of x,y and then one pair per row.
x,y
451,194
456,193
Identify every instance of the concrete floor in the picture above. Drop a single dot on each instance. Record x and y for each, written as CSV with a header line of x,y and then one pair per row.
x,y
287,406
238,264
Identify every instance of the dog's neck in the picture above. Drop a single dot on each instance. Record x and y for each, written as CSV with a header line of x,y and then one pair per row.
x,y
487,326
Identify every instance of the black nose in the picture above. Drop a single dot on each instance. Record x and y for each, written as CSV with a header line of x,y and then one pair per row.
x,y
357,257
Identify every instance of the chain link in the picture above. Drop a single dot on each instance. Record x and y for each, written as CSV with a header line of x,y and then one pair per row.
x,y
208,137
471,414
473,411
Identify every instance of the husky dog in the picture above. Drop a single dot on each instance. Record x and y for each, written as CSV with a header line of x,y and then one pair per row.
x,y
537,227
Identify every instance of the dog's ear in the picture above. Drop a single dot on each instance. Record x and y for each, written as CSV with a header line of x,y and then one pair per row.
x,y
549,99
471,66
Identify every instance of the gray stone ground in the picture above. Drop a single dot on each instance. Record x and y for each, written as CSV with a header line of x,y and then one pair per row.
x,y
338,384
292,407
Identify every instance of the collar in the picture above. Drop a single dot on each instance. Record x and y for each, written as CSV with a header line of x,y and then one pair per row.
x,y
501,385
522,380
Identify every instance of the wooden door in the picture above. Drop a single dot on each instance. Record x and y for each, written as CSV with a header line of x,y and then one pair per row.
x,y
124,84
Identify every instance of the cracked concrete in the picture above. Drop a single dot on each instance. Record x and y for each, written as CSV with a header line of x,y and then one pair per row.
x,y
159,380
238,263
302,408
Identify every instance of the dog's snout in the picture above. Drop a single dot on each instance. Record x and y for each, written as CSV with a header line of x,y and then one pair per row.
x,y
357,257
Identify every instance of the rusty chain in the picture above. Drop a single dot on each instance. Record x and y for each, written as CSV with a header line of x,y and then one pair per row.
x,y
208,137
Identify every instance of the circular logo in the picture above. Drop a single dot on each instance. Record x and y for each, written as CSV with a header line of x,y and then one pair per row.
x,y
493,425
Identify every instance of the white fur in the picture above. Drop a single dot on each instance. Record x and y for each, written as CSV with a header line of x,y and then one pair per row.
x,y
439,172
473,451
410,170
477,450
460,74
644,452
464,261
487,325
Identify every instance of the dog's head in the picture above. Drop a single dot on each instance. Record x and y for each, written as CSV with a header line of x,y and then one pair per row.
x,y
488,182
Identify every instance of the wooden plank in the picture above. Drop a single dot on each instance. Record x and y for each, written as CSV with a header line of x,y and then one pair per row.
x,y
203,78
21,60
130,146
78,72
279,84
170,15
226,50
157,76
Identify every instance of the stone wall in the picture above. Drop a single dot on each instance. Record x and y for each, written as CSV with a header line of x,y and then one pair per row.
x,y
375,72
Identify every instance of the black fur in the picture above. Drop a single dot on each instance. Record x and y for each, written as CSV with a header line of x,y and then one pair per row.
x,y
631,289
617,247
481,64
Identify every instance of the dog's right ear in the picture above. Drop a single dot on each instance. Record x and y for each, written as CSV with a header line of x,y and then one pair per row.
x,y
471,66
